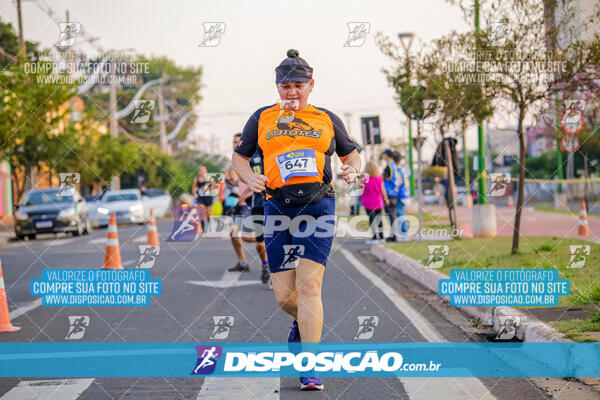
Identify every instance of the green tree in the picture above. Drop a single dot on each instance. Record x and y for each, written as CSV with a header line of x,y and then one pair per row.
x,y
514,62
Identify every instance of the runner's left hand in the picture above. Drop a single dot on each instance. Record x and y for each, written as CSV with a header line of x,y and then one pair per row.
x,y
349,173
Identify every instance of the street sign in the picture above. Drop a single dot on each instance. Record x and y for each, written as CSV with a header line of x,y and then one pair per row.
x,y
572,122
570,144
370,130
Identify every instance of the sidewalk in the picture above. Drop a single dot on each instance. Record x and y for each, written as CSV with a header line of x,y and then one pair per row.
x,y
533,223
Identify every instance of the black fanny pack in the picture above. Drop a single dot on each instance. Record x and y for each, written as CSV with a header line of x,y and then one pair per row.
x,y
301,194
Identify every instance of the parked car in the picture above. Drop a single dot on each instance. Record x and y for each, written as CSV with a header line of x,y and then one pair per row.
x,y
158,201
431,197
92,198
92,201
50,211
127,205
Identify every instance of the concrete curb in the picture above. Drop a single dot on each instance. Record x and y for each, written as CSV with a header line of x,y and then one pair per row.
x,y
529,330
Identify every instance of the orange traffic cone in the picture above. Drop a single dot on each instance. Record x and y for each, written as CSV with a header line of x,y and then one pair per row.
x,y
584,229
5,325
152,232
510,201
112,256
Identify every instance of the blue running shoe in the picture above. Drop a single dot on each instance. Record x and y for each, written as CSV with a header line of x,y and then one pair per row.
x,y
311,383
294,338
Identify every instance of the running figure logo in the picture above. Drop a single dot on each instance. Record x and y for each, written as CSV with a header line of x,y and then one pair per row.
x,y
508,327
291,255
186,226
572,121
287,119
431,110
499,183
215,179
357,188
207,359
77,325
68,183
142,111
579,253
148,256
69,31
222,325
498,34
212,34
575,105
357,33
437,255
366,326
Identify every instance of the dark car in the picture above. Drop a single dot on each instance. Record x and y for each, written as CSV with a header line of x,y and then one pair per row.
x,y
51,211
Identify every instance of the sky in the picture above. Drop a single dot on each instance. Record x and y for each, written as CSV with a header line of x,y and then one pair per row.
x,y
238,74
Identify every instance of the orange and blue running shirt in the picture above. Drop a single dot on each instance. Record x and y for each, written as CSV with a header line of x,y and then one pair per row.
x,y
296,146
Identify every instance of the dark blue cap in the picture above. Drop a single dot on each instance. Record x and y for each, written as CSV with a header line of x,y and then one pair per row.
x,y
293,68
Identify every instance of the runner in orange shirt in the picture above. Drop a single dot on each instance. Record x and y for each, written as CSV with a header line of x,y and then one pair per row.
x,y
296,141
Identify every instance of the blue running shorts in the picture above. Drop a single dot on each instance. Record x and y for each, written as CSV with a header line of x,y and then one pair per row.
x,y
292,233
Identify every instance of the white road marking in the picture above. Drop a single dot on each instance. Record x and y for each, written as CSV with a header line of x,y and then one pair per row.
x,y
424,388
59,389
229,279
239,388
140,239
26,308
59,242
423,326
97,241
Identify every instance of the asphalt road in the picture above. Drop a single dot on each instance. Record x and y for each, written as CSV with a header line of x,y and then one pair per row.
x,y
355,285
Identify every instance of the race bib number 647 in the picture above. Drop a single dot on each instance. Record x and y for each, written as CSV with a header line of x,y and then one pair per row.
x,y
297,163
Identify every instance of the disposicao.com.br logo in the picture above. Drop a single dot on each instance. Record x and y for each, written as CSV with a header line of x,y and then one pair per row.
x,y
213,360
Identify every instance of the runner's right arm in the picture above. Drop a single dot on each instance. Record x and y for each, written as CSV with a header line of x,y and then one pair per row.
x,y
246,147
241,165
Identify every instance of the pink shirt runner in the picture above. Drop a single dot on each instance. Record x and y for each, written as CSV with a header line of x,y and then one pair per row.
x,y
372,198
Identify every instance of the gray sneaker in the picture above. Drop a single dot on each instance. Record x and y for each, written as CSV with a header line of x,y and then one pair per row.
x,y
240,267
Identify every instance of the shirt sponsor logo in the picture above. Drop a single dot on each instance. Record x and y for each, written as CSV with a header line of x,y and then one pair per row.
x,y
293,133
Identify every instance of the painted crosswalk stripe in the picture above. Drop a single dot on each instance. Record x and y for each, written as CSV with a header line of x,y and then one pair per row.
x,y
59,389
424,388
26,308
239,388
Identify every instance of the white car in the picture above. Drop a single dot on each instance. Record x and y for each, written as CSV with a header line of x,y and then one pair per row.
x,y
158,201
127,204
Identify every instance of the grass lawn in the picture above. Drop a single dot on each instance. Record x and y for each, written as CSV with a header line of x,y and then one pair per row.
x,y
535,253
576,329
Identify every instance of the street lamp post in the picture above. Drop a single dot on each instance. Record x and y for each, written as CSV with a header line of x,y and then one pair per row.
x,y
406,46
481,141
484,215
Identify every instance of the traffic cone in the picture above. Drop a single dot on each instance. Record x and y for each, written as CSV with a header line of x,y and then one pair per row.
x,y
112,256
584,229
5,325
510,201
152,232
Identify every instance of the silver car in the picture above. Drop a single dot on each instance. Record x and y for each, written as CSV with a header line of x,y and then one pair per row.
x,y
127,205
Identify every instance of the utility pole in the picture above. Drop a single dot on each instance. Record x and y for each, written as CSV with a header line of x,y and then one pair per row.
x,y
22,48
